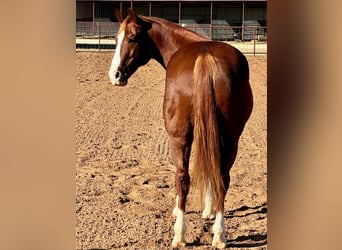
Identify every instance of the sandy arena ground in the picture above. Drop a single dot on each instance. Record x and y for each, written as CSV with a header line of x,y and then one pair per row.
x,y
124,177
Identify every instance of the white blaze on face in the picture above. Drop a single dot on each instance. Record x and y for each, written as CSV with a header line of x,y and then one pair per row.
x,y
116,60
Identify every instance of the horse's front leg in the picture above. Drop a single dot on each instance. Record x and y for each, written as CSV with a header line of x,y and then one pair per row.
x,y
208,212
181,153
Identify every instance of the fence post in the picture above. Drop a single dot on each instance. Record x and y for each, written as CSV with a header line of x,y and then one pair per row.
x,y
254,40
99,34
243,22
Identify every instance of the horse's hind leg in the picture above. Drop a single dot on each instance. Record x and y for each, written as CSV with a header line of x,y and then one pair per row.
x,y
180,149
218,227
227,162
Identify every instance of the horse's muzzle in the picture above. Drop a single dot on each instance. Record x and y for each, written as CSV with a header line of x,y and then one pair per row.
x,y
119,79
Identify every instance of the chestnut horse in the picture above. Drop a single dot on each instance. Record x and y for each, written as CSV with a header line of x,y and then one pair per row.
x,y
208,100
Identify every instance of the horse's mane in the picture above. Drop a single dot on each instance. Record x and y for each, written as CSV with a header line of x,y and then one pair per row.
x,y
175,28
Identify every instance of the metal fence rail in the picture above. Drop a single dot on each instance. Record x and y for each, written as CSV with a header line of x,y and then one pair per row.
x,y
96,29
249,39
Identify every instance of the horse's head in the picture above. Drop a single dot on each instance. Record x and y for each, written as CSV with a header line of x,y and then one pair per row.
x,y
133,48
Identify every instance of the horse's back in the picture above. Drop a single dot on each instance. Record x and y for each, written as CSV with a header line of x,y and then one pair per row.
x,y
230,59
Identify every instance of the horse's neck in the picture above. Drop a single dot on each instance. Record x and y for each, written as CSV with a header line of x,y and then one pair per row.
x,y
169,38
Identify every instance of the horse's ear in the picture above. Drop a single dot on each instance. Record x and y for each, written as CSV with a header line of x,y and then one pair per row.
x,y
132,14
119,15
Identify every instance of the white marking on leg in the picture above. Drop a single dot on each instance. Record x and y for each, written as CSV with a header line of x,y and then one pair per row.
x,y
208,212
175,210
179,228
116,60
218,229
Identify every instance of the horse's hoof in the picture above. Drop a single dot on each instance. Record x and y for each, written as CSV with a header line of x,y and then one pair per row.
x,y
209,216
176,244
219,244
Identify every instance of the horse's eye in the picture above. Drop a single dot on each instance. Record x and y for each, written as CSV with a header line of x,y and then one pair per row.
x,y
131,40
